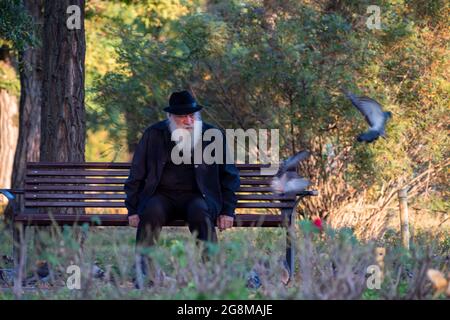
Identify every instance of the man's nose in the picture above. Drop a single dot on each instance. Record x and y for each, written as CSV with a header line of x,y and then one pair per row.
x,y
188,120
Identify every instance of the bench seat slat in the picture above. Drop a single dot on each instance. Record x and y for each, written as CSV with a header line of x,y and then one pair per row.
x,y
242,220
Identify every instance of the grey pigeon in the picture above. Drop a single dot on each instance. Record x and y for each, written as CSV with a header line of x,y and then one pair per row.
x,y
287,181
41,274
7,276
374,114
253,280
43,269
7,259
98,272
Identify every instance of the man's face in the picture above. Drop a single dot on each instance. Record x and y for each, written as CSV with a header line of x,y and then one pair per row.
x,y
184,121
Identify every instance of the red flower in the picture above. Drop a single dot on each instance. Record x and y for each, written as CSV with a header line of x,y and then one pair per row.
x,y
318,223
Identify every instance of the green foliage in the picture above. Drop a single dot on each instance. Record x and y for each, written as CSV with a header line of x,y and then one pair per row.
x,y
16,33
281,65
9,79
16,25
371,294
201,47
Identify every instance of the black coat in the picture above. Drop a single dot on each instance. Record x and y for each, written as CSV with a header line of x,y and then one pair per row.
x,y
217,183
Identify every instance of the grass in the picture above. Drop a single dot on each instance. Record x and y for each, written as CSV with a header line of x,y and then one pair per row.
x,y
329,265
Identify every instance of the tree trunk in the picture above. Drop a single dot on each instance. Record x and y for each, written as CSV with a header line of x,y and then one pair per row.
x,y
63,120
30,100
8,124
132,138
8,137
63,125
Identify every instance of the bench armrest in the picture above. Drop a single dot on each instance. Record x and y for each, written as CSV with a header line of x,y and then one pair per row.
x,y
10,195
304,193
308,193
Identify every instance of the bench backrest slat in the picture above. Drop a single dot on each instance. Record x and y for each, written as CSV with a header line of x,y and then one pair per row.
x,y
68,180
103,173
114,188
122,196
86,173
117,204
112,165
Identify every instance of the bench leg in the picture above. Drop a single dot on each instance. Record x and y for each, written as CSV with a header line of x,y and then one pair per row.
x,y
290,247
19,254
15,243
290,253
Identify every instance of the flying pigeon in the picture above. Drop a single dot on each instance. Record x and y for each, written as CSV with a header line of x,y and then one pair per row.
x,y
287,180
374,114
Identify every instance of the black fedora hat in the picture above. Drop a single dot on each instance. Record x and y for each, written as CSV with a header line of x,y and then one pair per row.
x,y
181,103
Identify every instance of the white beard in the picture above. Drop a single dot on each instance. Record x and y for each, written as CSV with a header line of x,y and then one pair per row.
x,y
191,136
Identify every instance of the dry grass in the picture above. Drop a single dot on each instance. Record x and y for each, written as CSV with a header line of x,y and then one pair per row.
x,y
369,223
329,265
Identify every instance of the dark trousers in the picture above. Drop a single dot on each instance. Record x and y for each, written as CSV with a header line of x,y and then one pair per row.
x,y
166,206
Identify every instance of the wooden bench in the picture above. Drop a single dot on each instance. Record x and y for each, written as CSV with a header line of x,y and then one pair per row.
x,y
99,185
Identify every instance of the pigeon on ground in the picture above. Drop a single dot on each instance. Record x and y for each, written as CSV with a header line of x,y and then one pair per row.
x,y
7,277
374,114
42,269
98,272
7,259
253,280
41,274
287,180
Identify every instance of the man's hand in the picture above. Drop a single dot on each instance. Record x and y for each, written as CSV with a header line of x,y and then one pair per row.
x,y
133,220
224,222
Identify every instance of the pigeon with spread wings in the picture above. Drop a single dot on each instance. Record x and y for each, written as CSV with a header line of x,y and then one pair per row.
x,y
374,114
287,180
